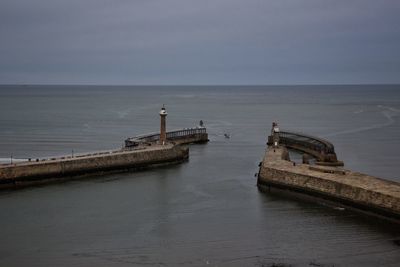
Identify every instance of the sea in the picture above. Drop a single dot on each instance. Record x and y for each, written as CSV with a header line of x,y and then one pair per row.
x,y
207,211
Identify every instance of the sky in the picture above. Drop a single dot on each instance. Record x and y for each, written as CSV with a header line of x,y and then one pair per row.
x,y
199,42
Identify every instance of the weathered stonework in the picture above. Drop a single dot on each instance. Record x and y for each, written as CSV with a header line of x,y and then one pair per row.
x,y
139,152
191,139
350,188
12,175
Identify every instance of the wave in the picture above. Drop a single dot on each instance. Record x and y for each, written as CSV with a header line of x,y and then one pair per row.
x,y
387,112
185,96
122,113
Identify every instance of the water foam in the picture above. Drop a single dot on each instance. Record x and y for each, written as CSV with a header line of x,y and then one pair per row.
x,y
389,113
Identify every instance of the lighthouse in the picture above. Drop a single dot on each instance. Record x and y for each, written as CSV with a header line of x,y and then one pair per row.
x,y
275,134
163,128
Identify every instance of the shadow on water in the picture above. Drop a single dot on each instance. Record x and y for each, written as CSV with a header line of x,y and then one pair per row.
x,y
330,230
96,177
338,212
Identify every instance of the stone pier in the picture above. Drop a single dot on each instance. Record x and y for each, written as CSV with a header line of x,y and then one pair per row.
x,y
65,168
354,189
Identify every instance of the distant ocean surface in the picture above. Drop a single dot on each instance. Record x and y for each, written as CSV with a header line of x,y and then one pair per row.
x,y
208,211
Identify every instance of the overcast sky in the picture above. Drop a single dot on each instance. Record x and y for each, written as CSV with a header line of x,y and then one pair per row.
x,y
199,42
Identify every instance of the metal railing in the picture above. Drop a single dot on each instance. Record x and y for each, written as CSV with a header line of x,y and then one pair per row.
x,y
171,135
307,141
185,132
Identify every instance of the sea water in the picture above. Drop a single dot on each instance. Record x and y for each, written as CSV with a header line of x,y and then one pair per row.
x,y
207,211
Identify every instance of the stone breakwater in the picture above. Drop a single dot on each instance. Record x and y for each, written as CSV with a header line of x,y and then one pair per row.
x,y
46,170
361,191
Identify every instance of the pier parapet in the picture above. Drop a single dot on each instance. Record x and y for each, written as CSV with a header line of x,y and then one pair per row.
x,y
319,148
30,173
139,152
178,137
181,136
332,182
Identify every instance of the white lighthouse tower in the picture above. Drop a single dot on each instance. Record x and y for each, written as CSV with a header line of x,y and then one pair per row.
x,y
275,134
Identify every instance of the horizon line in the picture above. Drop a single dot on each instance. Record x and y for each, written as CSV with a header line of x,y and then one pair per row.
x,y
200,85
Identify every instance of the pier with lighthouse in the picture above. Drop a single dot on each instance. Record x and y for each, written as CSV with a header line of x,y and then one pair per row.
x,y
326,178
139,152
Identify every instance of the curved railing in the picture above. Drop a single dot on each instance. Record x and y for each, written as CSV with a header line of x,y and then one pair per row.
x,y
320,148
315,143
171,135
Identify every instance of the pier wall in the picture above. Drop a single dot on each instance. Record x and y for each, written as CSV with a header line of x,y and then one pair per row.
x,y
180,137
31,172
319,148
349,188
191,139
